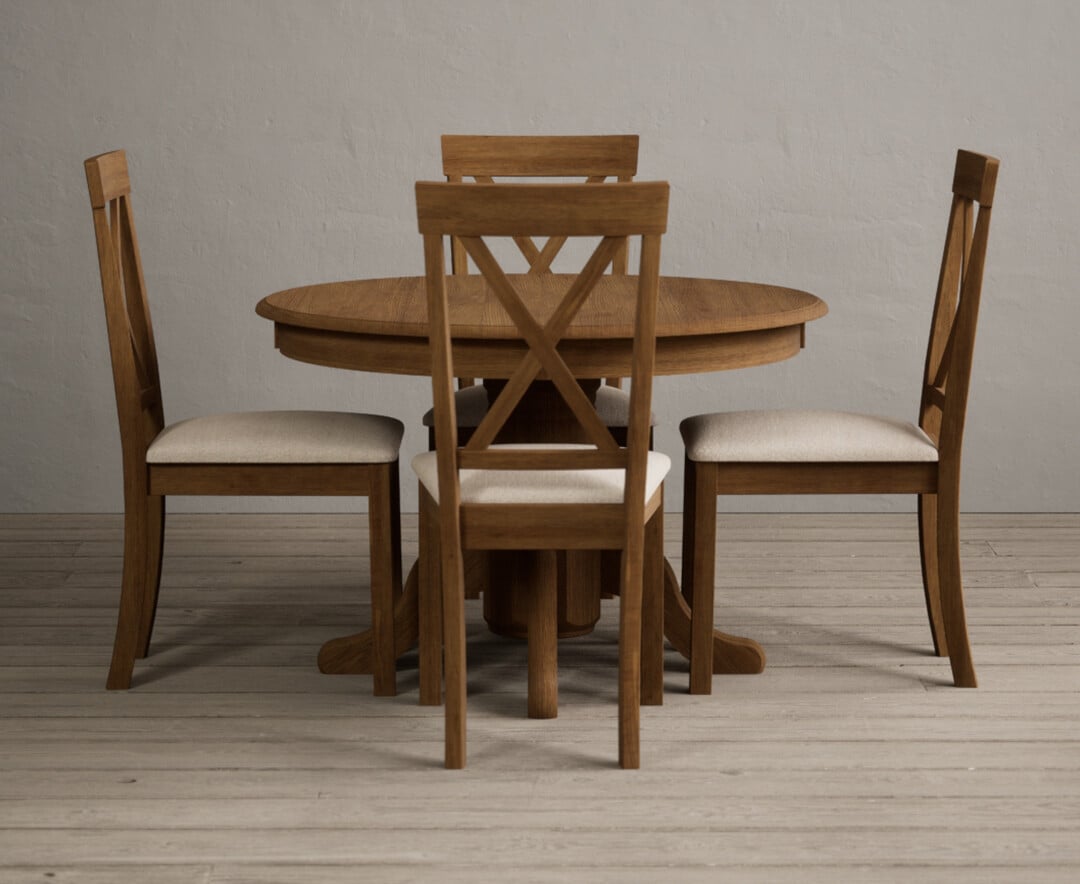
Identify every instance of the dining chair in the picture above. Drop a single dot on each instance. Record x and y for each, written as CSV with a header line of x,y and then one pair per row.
x,y
835,452
483,158
544,497
252,453
595,159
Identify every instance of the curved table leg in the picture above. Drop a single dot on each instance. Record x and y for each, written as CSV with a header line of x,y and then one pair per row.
x,y
355,654
732,655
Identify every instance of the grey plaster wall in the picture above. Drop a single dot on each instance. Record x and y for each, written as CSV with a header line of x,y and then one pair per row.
x,y
276,143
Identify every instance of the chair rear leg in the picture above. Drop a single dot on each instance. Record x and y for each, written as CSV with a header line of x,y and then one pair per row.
x,y
688,529
155,542
132,592
928,554
950,581
382,515
701,559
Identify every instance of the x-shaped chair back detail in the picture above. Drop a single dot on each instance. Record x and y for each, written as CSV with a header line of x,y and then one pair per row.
x,y
956,306
483,158
127,314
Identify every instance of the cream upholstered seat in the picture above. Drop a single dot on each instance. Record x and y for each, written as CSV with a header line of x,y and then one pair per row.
x,y
838,452
541,486
293,437
603,495
266,452
803,437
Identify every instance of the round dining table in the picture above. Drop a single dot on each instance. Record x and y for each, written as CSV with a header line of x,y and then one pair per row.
x,y
380,325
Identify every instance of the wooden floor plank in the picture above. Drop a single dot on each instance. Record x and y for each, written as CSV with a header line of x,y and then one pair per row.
x,y
567,849
234,761
1054,785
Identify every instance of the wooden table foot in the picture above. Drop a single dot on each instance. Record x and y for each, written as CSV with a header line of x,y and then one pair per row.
x,y
732,654
355,654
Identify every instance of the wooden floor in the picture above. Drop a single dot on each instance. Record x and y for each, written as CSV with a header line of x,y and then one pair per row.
x,y
851,758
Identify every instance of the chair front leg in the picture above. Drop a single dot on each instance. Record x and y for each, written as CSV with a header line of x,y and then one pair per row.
x,y
453,613
950,581
132,590
630,653
431,602
928,556
155,542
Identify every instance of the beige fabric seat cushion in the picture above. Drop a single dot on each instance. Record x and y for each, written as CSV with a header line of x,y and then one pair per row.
x,y
802,437
291,437
612,404
541,486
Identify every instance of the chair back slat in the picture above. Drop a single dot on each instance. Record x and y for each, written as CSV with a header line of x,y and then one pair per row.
x,y
127,314
476,213
594,158
107,178
951,345
543,209
540,156
975,177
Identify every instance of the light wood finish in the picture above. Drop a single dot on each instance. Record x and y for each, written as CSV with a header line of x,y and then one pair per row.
x,y
141,416
477,213
849,759
941,415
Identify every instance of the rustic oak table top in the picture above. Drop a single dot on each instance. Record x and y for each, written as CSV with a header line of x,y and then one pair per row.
x,y
381,324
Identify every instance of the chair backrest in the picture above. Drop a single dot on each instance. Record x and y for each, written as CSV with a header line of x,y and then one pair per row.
x,y
127,314
483,158
472,212
947,375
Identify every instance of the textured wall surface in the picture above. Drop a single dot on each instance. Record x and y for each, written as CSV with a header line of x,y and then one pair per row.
x,y
276,143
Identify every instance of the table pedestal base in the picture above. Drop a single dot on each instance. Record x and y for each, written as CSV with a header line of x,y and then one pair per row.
x,y
509,582
355,654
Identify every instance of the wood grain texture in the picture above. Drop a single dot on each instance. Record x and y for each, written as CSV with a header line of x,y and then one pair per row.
x,y
686,307
534,156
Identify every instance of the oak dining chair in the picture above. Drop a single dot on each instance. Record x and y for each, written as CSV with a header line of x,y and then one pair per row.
x,y
483,158
252,453
543,497
834,452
